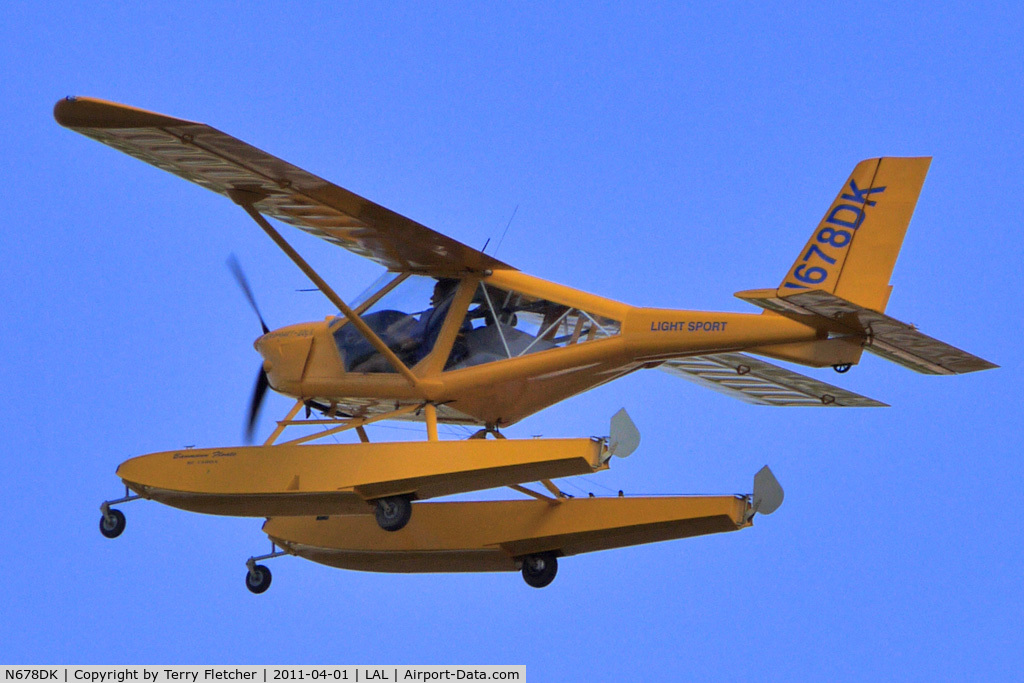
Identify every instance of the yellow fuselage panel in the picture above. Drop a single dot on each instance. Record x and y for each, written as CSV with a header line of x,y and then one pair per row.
x,y
490,535
260,481
303,361
668,333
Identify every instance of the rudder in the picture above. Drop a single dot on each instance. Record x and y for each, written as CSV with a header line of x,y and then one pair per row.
x,y
853,250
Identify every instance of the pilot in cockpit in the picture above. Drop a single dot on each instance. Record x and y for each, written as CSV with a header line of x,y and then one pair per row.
x,y
432,319
411,336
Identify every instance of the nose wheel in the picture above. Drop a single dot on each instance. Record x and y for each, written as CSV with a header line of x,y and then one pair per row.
x,y
257,579
112,521
258,576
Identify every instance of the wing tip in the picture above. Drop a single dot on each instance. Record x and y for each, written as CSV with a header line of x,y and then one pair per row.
x,y
89,112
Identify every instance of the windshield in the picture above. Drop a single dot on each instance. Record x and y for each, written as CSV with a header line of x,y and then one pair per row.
x,y
408,319
378,285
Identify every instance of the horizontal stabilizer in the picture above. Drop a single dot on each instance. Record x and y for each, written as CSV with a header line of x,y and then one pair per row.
x,y
885,336
755,381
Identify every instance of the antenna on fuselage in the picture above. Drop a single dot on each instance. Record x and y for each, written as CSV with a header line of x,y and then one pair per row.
x,y
502,239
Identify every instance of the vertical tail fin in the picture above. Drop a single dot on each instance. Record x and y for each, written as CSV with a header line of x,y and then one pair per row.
x,y
853,250
840,281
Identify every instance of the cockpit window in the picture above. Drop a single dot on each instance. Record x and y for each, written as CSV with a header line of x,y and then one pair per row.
x,y
504,324
377,289
407,318
408,312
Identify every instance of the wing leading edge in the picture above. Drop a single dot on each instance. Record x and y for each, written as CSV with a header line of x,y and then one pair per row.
x,y
222,163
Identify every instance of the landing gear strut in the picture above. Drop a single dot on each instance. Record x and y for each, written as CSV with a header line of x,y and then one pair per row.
x,y
539,570
393,512
257,576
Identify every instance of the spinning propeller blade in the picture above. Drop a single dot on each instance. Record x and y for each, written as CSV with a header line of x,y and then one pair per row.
x,y
244,284
262,383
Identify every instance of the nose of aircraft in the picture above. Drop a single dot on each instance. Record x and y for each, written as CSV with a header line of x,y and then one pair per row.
x,y
284,352
263,348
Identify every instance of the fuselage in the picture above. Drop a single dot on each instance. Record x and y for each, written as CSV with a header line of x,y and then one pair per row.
x,y
305,360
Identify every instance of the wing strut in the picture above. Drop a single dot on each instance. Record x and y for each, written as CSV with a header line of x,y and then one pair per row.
x,y
246,199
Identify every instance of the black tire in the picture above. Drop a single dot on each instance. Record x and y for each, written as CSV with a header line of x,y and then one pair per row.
x,y
112,524
539,570
257,580
842,367
393,513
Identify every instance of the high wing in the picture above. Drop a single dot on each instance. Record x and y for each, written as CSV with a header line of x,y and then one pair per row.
x,y
755,381
221,163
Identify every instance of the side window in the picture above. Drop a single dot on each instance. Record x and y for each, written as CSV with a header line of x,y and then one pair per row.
x,y
504,324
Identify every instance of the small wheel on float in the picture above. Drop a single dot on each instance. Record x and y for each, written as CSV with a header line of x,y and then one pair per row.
x,y
257,580
393,512
112,523
539,570
842,367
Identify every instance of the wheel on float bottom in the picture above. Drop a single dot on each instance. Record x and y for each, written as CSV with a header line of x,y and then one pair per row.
x,y
539,570
257,580
842,367
112,523
393,512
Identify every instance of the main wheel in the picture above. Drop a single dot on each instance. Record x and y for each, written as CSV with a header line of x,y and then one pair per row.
x,y
257,580
539,570
393,512
842,367
112,523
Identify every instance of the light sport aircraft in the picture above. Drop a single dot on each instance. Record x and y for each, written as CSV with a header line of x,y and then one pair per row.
x,y
452,335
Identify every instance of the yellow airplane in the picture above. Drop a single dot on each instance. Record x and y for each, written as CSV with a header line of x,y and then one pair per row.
x,y
452,335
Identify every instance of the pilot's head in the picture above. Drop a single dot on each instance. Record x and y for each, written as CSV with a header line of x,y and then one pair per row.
x,y
444,289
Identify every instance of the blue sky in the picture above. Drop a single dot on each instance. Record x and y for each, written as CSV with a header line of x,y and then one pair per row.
x,y
663,156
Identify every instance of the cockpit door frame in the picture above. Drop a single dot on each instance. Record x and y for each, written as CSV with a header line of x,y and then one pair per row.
x,y
433,363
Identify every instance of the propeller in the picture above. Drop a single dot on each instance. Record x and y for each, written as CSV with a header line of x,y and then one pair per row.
x,y
262,381
236,270
257,402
